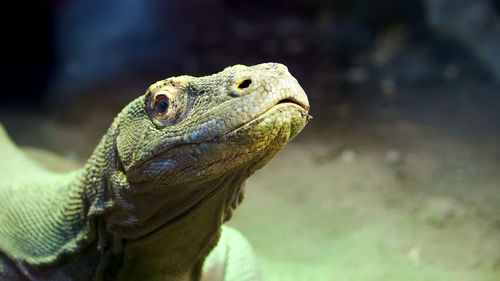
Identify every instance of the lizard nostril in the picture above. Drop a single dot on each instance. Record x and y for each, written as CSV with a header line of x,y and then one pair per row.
x,y
244,84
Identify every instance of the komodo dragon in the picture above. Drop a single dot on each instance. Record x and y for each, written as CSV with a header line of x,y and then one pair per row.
x,y
150,202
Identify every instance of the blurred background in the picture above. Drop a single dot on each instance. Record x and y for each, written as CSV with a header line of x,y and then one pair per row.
x,y
397,177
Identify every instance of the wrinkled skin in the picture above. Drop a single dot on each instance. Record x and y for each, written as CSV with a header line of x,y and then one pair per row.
x,y
150,202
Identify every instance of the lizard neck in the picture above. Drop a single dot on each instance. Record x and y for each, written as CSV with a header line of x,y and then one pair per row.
x,y
177,249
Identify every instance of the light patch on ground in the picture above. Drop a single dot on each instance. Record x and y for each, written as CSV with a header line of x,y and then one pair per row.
x,y
364,218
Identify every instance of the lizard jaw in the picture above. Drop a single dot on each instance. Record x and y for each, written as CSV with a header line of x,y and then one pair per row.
x,y
292,102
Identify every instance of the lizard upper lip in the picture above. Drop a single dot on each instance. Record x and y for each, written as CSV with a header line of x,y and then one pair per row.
x,y
294,101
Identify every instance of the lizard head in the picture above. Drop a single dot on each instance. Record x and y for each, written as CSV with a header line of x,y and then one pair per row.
x,y
187,138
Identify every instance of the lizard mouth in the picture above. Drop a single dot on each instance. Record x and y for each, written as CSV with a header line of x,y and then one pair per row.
x,y
281,103
293,101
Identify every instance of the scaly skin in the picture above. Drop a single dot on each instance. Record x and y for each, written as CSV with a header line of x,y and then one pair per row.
x,y
150,202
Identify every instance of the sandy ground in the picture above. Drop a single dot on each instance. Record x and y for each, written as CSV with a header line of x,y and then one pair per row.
x,y
357,204
374,213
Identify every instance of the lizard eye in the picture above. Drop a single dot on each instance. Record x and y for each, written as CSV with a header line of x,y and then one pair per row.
x,y
161,107
165,103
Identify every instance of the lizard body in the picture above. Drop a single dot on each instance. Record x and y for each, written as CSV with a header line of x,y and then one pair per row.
x,y
150,202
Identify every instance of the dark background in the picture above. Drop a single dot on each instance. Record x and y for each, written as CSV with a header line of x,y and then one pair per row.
x,y
354,58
